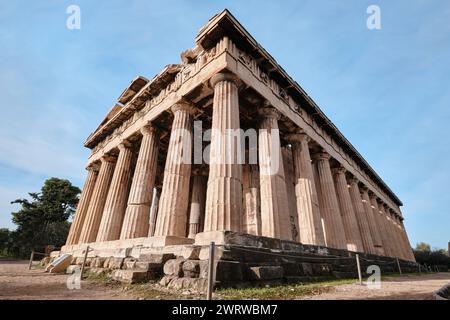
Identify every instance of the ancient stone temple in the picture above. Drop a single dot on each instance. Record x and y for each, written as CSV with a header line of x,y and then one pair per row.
x,y
226,145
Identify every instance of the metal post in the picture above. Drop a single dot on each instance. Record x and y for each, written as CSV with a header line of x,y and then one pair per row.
x,y
31,260
359,269
398,265
84,262
420,269
211,271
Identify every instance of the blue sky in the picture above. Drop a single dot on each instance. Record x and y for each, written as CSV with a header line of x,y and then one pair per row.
x,y
387,90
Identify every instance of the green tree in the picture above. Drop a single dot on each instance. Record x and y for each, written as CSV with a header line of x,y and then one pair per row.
x,y
436,257
43,219
4,240
422,246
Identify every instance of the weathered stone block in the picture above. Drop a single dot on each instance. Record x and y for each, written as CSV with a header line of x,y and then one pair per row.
x,y
322,269
191,268
106,262
129,263
174,267
156,257
307,268
228,271
166,280
130,276
79,261
45,261
203,264
98,262
191,252
115,263
267,272
292,269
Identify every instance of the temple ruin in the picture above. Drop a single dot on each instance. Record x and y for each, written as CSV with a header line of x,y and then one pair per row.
x,y
150,191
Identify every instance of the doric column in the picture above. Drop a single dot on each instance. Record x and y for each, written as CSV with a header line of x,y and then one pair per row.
x,y
309,220
396,252
83,204
173,205
376,239
361,217
137,215
329,206
378,214
198,197
352,234
153,212
275,218
95,210
252,201
409,252
399,234
388,228
223,209
116,201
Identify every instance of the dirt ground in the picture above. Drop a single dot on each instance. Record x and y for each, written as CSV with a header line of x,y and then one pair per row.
x,y
17,283
408,287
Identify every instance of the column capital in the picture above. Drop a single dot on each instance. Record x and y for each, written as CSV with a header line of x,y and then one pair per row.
x,y
223,76
353,180
372,195
321,156
108,158
269,112
182,106
125,144
364,188
148,129
94,167
339,170
298,137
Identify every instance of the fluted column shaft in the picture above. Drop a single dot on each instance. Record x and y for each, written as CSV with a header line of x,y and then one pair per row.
x,y
252,200
275,218
82,208
197,211
378,214
116,201
153,212
361,217
400,239
309,220
223,209
409,252
352,234
374,231
329,208
174,201
396,252
398,236
137,216
388,227
98,199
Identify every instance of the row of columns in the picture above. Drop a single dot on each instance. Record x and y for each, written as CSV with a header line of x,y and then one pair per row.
x,y
332,211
